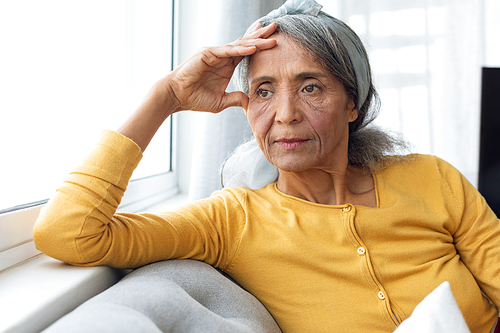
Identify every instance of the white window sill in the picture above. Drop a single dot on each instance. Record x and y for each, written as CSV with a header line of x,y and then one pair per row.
x,y
37,292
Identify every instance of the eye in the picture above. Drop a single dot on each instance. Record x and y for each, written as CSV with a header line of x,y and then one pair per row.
x,y
311,88
263,93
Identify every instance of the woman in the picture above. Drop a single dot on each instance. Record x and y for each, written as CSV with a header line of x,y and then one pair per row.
x,y
346,239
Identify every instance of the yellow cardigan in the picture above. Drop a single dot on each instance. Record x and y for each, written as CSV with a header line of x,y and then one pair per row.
x,y
317,268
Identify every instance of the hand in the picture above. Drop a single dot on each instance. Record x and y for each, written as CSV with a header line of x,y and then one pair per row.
x,y
200,83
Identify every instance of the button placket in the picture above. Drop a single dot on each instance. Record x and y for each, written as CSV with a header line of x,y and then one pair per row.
x,y
349,213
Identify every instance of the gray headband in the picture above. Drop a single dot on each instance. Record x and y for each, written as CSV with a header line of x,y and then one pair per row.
x,y
347,37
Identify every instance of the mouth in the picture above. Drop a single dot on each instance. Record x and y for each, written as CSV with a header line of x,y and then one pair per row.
x,y
291,143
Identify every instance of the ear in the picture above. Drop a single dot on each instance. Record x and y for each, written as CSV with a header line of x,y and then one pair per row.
x,y
352,112
353,115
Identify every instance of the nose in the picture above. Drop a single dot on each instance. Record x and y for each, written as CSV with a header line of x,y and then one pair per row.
x,y
287,110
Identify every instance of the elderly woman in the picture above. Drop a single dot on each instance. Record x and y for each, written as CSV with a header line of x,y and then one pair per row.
x,y
347,238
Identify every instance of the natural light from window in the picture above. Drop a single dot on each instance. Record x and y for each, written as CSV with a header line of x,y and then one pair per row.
x,y
398,42
70,69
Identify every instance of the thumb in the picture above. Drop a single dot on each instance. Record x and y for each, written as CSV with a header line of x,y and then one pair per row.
x,y
236,98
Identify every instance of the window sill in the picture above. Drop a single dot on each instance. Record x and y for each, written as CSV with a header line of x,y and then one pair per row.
x,y
38,291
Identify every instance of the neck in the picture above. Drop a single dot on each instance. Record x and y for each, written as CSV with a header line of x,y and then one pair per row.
x,y
332,182
330,187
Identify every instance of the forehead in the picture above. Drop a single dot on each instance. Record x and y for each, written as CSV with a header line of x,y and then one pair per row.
x,y
286,58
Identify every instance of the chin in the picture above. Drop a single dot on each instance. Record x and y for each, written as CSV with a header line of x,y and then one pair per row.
x,y
295,160
293,166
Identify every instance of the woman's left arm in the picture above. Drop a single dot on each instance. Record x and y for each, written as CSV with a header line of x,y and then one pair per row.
x,y
477,238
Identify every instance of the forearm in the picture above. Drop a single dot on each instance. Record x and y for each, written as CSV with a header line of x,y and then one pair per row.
x,y
158,105
80,225
83,206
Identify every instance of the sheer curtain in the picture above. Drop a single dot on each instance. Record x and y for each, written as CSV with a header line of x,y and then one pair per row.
x,y
426,58
216,136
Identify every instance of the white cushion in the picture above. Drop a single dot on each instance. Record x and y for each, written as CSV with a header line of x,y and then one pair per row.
x,y
438,312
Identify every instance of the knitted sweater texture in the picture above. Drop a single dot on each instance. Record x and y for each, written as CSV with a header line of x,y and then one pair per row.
x,y
317,268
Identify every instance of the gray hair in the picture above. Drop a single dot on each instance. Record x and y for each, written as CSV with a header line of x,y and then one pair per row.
x,y
368,146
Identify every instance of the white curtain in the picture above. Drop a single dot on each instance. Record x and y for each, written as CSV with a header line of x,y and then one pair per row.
x,y
216,136
426,57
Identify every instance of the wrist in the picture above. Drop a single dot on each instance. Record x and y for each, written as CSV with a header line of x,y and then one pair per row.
x,y
163,93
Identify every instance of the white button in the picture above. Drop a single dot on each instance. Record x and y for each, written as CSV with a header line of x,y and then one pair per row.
x,y
381,295
346,209
361,250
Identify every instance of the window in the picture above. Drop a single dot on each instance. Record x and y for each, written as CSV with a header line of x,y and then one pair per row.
x,y
69,70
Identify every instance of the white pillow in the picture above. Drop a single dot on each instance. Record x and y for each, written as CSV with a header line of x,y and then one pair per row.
x,y
437,313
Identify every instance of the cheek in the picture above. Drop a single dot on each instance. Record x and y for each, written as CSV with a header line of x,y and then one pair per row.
x,y
329,121
260,119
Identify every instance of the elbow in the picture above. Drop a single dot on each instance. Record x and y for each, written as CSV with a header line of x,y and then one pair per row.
x,y
54,237
63,237
45,240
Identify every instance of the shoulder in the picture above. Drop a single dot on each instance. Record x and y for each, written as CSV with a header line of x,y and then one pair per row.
x,y
230,201
423,173
428,176
243,195
419,165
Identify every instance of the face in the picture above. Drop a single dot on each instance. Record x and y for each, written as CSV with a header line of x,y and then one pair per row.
x,y
298,111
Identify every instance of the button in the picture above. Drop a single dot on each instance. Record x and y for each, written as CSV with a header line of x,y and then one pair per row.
x,y
381,295
361,250
346,209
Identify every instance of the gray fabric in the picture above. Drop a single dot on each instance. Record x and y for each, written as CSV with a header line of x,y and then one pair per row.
x,y
170,296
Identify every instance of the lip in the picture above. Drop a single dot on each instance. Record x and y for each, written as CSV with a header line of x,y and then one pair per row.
x,y
291,143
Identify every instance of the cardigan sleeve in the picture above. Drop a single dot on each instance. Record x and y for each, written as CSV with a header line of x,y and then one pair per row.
x,y
80,226
477,235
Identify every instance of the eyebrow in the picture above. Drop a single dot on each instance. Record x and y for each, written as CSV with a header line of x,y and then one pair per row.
x,y
263,79
310,74
298,76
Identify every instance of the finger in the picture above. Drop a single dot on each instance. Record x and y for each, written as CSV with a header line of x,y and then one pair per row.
x,y
262,32
214,55
257,27
235,98
265,44
259,43
240,49
221,55
268,30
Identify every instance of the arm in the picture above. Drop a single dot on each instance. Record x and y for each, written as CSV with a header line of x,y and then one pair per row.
x,y
477,236
79,225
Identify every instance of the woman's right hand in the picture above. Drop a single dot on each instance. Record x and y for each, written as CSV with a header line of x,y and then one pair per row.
x,y
200,83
